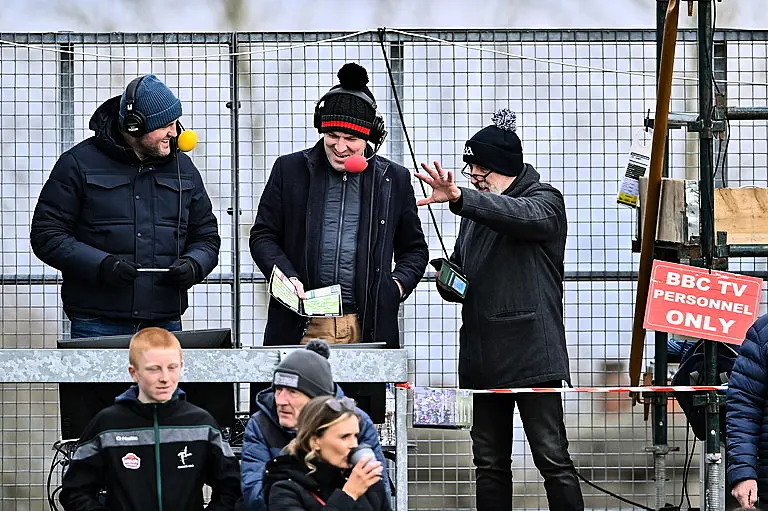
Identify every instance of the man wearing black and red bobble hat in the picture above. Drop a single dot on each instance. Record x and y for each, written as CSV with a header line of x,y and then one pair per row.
x,y
510,248
327,216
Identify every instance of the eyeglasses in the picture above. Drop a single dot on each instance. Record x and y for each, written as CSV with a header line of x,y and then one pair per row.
x,y
346,404
480,178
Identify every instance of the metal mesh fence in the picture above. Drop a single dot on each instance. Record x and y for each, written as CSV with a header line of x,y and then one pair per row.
x,y
580,96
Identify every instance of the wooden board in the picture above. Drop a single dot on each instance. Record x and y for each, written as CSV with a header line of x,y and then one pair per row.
x,y
671,226
743,214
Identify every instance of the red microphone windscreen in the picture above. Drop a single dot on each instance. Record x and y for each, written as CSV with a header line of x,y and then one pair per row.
x,y
355,164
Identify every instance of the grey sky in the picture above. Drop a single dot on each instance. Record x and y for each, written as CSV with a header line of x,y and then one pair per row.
x,y
260,15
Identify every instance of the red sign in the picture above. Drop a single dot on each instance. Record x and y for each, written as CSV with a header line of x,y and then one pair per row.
x,y
696,302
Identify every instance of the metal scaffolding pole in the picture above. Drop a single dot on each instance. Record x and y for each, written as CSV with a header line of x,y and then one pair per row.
x,y
66,57
659,416
713,461
234,109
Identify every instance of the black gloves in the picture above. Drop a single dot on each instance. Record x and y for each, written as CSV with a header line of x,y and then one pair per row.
x,y
182,273
116,272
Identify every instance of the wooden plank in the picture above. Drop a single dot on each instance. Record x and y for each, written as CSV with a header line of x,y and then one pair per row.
x,y
672,223
743,214
672,211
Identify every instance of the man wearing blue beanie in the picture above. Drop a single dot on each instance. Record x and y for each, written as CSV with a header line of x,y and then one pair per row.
x,y
126,218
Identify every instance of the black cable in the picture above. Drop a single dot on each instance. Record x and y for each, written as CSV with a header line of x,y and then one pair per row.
x,y
51,501
687,466
684,488
177,155
721,153
614,495
381,32
724,152
61,458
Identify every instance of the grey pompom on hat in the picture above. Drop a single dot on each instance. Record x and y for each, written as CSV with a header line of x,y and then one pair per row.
x,y
497,147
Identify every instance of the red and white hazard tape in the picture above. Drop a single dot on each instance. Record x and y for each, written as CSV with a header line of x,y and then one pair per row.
x,y
678,388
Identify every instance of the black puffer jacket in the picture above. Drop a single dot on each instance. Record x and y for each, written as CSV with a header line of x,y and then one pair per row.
x,y
289,486
100,199
511,246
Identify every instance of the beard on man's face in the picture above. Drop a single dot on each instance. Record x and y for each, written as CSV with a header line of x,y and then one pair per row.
x,y
156,150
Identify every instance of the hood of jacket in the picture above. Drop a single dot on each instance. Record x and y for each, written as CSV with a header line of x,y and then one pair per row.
x,y
131,398
105,125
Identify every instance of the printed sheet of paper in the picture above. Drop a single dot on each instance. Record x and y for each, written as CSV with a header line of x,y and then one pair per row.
x,y
324,301
283,290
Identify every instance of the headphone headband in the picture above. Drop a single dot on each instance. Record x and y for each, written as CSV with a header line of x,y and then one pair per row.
x,y
134,122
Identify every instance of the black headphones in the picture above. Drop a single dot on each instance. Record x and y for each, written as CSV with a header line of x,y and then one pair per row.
x,y
134,122
378,129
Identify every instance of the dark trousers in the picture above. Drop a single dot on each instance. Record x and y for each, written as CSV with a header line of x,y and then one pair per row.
x,y
542,417
86,325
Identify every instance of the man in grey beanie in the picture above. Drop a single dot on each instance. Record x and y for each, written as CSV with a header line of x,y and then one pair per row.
x,y
122,201
300,376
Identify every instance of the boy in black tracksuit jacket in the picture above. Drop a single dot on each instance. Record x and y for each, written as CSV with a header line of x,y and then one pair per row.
x,y
151,456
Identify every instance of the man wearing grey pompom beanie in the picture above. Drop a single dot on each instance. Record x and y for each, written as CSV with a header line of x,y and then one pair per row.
x,y
507,272
300,376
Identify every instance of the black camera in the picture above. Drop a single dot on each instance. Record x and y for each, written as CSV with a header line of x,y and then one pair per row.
x,y
449,276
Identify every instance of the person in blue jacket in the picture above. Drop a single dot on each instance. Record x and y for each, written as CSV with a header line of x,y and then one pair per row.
x,y
746,422
302,375
122,201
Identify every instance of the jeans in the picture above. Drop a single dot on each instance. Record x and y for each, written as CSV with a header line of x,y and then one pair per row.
x,y
87,325
542,417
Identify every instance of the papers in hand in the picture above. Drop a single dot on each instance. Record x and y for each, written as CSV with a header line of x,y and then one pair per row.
x,y
323,301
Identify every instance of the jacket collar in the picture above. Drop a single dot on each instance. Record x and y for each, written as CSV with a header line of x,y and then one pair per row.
x,y
316,158
131,398
287,466
104,123
265,401
527,178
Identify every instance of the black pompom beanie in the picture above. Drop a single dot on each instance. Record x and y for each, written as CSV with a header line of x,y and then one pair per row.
x,y
346,112
497,147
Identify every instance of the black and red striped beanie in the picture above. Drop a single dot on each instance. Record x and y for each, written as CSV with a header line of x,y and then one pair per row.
x,y
348,113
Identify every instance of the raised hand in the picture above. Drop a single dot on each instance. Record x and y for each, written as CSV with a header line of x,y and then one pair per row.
x,y
441,181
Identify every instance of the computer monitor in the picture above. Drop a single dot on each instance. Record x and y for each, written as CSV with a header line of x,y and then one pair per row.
x,y
80,402
219,338
370,397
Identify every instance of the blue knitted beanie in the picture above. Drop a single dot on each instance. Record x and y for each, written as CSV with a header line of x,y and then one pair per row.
x,y
155,101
